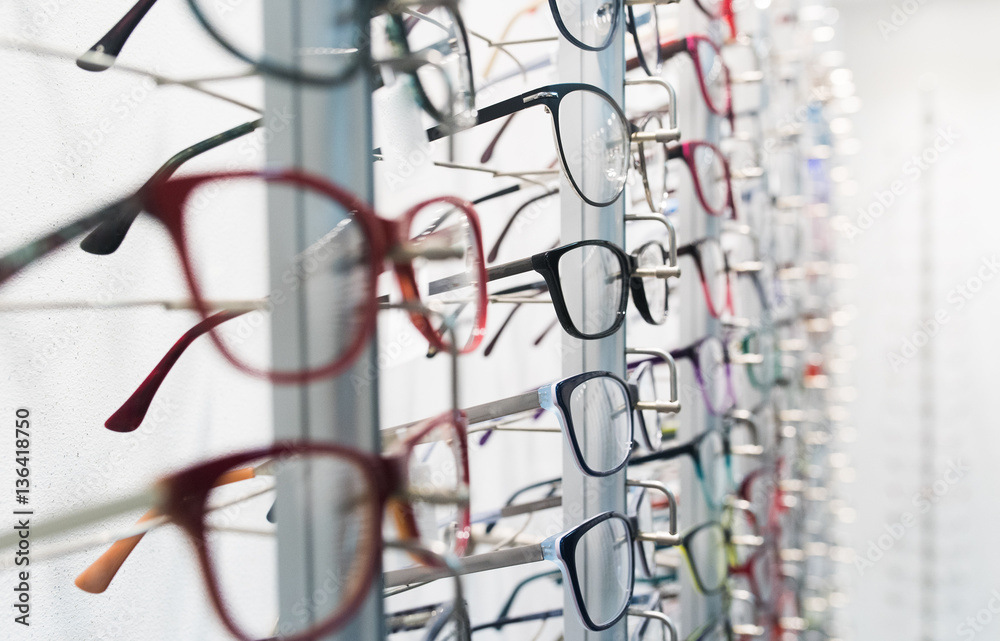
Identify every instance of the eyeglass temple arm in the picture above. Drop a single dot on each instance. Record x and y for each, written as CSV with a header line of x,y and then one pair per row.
x,y
656,615
488,152
14,261
674,270
504,621
674,405
555,575
108,236
85,517
510,221
674,133
129,416
531,8
96,578
103,54
468,565
488,114
497,272
505,407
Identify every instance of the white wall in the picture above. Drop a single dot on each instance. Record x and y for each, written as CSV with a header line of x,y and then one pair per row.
x,y
949,46
74,141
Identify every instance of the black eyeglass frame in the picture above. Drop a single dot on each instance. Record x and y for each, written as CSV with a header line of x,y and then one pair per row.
x,y
549,96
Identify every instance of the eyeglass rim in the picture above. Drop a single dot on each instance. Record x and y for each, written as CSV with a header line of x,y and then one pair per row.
x,y
564,30
562,393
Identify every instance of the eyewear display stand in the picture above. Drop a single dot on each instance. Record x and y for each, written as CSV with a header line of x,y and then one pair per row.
x,y
584,497
694,319
329,134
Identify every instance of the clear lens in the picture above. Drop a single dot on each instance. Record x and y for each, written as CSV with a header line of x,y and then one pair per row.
x,y
646,382
761,343
592,281
644,513
589,22
711,453
654,257
714,375
647,28
435,35
326,47
595,145
748,301
706,548
604,565
601,417
435,470
437,230
281,504
710,172
714,76
655,161
226,232
713,262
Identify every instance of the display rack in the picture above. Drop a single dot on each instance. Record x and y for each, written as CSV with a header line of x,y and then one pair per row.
x,y
329,134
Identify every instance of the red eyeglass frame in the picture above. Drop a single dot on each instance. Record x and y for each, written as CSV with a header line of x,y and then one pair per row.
x,y
166,201
689,44
185,494
687,151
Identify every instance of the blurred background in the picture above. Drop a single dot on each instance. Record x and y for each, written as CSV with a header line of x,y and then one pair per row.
x,y
919,218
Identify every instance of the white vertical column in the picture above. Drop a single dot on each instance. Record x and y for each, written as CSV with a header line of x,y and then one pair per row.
x,y
584,497
330,135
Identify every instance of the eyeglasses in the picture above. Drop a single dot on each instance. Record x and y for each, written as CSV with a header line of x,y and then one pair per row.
x,y
602,544
595,412
651,624
350,247
703,546
713,75
713,271
239,509
431,47
447,618
107,236
710,174
592,312
644,380
592,135
710,454
328,52
709,357
430,43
